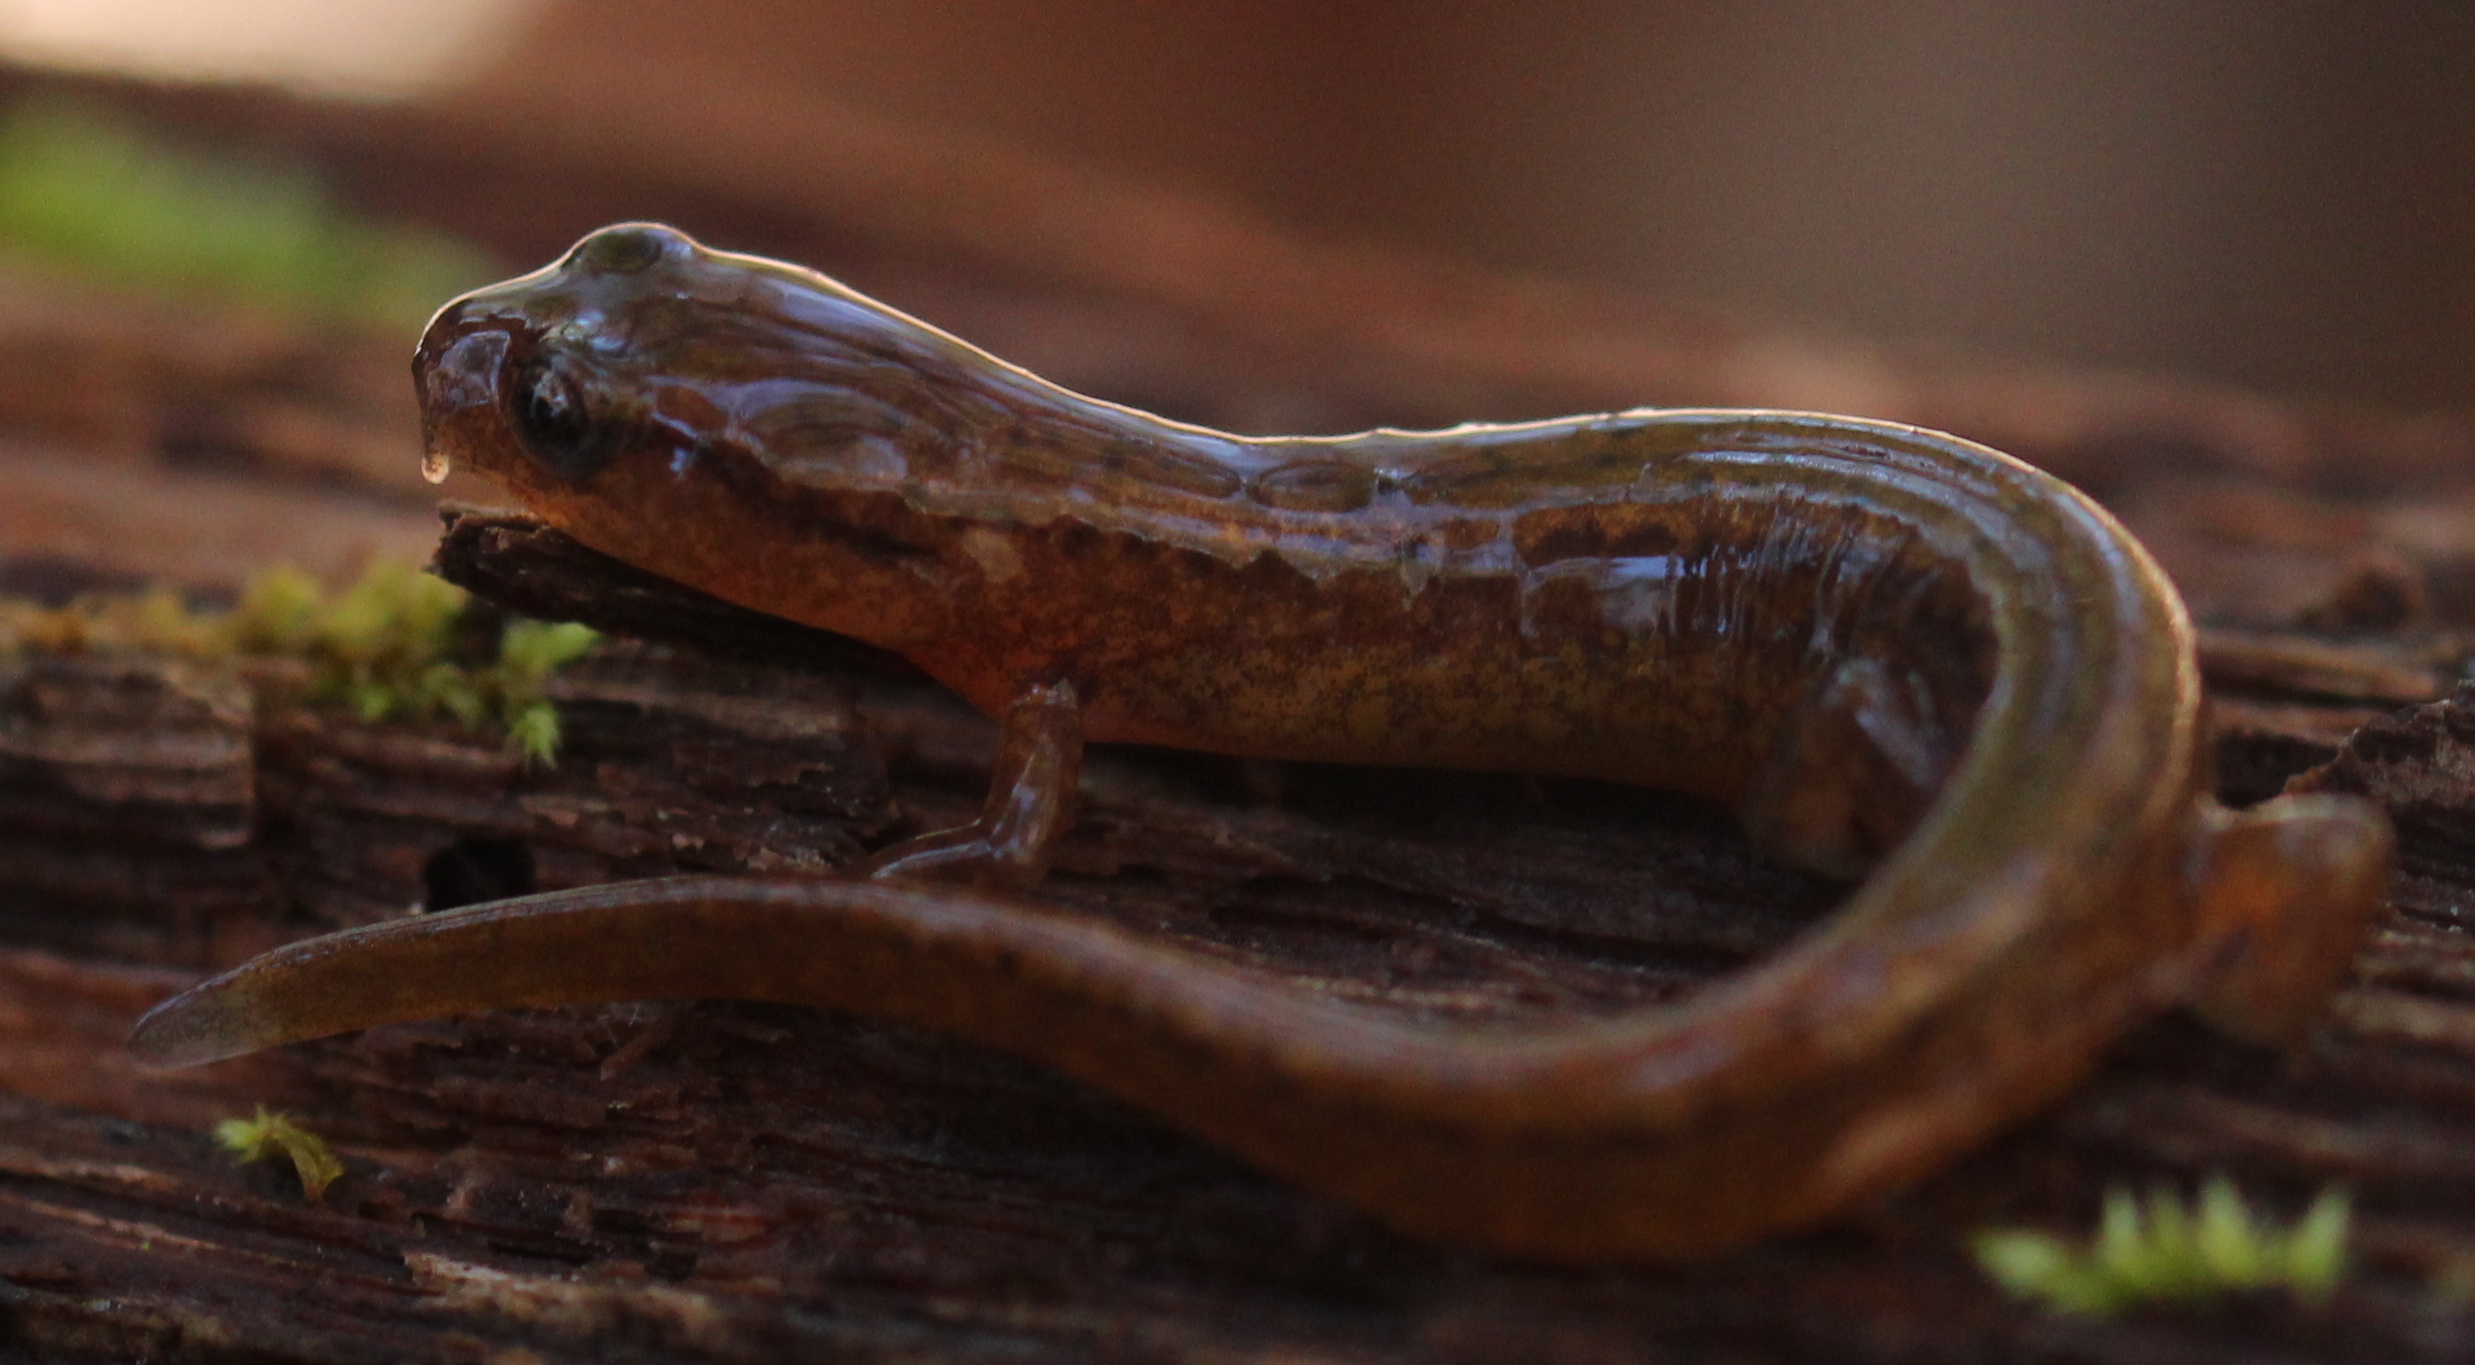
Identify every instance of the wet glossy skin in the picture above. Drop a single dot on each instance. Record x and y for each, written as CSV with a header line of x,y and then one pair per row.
x,y
1893,652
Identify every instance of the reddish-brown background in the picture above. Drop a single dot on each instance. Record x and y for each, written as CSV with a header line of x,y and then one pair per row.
x,y
2275,194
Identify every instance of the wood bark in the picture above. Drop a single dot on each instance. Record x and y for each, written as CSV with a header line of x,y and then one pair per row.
x,y
722,1181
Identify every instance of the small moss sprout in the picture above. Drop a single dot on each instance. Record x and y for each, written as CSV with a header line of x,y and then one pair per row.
x,y
272,1133
2160,1249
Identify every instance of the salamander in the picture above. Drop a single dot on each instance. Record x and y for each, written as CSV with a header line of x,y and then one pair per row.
x,y
1893,653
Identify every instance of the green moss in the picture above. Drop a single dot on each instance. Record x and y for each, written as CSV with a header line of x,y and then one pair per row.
x,y
2164,1250
534,731
270,1133
90,191
398,644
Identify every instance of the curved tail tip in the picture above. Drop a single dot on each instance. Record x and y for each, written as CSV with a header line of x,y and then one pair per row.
x,y
192,1028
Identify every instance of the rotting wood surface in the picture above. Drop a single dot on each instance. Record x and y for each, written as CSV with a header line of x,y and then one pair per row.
x,y
729,1181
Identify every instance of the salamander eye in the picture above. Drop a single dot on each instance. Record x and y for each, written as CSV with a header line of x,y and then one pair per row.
x,y
550,415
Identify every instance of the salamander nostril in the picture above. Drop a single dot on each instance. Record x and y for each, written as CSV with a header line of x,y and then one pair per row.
x,y
628,249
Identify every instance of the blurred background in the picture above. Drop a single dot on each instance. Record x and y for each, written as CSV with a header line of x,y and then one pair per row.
x,y
2274,195
2209,260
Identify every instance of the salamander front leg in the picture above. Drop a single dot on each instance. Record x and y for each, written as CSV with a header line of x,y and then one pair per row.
x,y
2287,890
1030,805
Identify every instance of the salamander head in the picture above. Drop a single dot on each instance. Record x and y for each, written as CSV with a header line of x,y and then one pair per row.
x,y
722,420
641,346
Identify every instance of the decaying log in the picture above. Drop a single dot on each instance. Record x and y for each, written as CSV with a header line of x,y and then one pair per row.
x,y
735,1181
729,1181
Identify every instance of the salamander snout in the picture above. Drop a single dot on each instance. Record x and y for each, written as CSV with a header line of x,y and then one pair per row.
x,y
456,373
507,400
